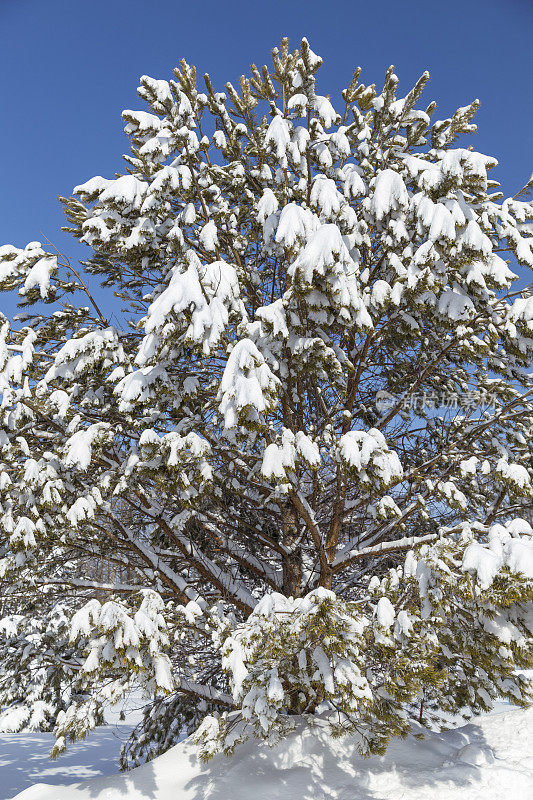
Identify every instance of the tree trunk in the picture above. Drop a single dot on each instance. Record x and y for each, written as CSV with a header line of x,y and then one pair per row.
x,y
292,560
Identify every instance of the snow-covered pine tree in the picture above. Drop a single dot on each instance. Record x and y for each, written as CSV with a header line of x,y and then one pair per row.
x,y
284,533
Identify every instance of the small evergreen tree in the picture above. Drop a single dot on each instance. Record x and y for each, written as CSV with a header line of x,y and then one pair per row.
x,y
258,450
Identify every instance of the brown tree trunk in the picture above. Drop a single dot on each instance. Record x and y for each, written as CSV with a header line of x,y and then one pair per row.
x,y
292,561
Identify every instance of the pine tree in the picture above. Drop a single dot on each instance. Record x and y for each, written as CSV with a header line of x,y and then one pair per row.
x,y
302,450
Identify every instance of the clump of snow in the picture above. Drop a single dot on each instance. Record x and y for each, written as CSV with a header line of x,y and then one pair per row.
x,y
39,275
389,195
247,384
455,305
278,459
80,445
278,137
367,454
125,191
208,292
489,758
385,613
503,549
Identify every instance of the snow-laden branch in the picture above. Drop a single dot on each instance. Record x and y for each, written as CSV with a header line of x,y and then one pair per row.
x,y
407,543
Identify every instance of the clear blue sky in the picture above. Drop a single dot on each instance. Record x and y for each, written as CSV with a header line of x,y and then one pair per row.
x,y
69,68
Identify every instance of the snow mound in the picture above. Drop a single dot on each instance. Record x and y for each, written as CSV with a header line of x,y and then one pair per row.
x,y
483,760
475,755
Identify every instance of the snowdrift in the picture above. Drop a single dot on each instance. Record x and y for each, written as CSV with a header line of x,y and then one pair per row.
x,y
484,760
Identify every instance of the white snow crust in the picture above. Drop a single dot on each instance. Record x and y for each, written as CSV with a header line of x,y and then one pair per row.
x,y
489,759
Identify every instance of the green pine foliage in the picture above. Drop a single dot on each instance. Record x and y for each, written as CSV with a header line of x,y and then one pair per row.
x,y
441,634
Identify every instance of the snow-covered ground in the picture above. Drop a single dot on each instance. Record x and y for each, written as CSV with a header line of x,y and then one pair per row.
x,y
24,759
488,759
